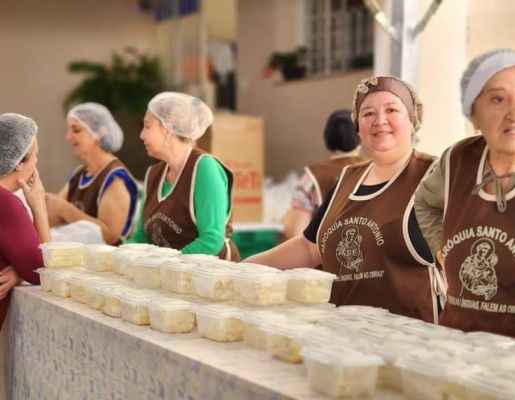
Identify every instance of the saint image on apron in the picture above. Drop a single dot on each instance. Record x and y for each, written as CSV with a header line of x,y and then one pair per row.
x,y
477,272
348,251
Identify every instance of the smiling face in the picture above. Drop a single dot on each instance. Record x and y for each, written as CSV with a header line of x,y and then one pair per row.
x,y
79,138
493,112
384,124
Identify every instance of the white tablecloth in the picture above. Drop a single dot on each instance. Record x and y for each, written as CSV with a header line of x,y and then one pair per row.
x,y
54,349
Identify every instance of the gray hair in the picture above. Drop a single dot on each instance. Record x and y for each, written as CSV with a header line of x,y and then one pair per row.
x,y
99,121
16,134
479,71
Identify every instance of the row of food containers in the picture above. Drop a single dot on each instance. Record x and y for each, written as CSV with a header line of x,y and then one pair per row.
x,y
206,276
348,351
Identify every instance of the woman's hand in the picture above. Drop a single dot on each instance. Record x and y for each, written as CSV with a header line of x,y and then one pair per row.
x,y
8,279
34,192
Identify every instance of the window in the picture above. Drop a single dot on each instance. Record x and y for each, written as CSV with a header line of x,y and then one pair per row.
x,y
340,36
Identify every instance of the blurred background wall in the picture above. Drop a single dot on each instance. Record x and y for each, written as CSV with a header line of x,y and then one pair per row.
x,y
38,39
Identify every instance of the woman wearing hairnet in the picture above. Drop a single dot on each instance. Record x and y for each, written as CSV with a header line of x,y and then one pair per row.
x,y
187,202
101,190
20,237
365,232
466,207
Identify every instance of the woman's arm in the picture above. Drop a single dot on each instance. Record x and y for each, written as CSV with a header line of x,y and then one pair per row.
x,y
54,218
211,202
430,203
297,252
19,241
112,210
295,221
138,235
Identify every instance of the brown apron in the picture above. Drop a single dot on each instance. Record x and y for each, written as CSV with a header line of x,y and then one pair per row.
x,y
365,241
325,174
478,247
170,221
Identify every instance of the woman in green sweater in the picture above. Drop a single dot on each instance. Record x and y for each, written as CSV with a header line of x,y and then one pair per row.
x,y
187,198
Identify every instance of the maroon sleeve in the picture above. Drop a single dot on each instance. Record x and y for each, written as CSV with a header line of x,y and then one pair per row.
x,y
19,240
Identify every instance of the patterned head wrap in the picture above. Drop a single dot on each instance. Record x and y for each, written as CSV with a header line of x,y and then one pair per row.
x,y
393,85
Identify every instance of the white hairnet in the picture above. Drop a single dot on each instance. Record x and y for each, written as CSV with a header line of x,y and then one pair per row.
x,y
479,71
16,133
99,121
181,114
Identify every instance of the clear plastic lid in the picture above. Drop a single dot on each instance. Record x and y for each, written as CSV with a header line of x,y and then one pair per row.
x,y
258,317
164,251
309,274
491,339
136,246
255,267
311,314
392,350
261,276
147,262
198,258
169,304
498,385
427,330
212,271
436,363
218,311
61,246
179,267
99,248
136,298
342,358
289,328
360,310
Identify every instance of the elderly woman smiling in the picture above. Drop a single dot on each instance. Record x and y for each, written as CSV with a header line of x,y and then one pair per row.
x,y
366,231
466,208
19,236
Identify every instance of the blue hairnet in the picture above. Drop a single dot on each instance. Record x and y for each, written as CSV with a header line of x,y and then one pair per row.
x,y
16,133
99,121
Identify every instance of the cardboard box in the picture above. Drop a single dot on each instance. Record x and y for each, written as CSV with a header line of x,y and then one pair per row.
x,y
238,141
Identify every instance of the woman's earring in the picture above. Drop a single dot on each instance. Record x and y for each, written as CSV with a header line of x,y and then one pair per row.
x,y
167,140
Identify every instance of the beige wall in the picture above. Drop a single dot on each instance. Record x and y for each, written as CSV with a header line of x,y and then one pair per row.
x,y
37,40
220,17
294,112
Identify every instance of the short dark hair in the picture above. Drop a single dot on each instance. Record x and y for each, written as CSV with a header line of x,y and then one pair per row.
x,y
340,132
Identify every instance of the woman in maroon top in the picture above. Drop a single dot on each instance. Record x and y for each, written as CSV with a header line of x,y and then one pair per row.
x,y
20,255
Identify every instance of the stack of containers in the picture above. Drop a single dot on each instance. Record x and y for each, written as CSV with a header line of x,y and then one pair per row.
x,y
99,257
213,282
62,254
134,306
175,275
252,322
147,271
261,287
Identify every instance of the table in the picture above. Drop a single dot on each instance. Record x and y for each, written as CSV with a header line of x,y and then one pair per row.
x,y
60,349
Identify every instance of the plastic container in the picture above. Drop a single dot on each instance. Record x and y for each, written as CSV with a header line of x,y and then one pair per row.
x,y
171,316
253,333
261,288
62,254
120,258
60,283
427,330
199,259
360,310
213,283
134,308
489,385
284,339
433,375
45,278
313,314
176,277
307,285
219,322
146,271
491,340
341,374
110,298
137,246
99,257
164,252
79,285
391,351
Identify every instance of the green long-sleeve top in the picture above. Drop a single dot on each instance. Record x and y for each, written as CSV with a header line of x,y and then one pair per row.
x,y
211,203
